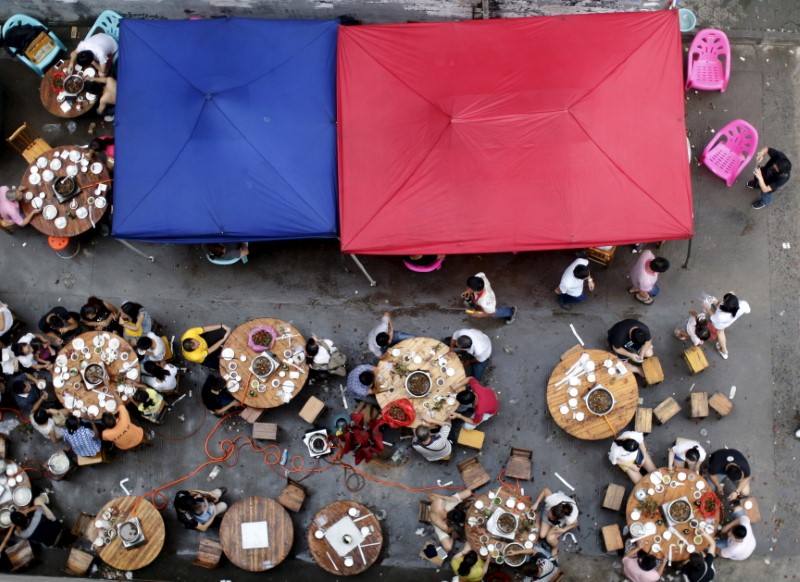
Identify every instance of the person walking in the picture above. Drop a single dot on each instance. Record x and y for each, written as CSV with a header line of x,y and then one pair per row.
x,y
769,177
482,301
644,276
570,289
722,315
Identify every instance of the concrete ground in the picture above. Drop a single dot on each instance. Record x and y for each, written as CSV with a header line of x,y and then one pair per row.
x,y
312,285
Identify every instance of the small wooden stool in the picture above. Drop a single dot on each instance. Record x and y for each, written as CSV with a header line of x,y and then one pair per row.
x,y
721,404
81,526
20,555
612,538
251,414
78,563
208,554
471,438
695,359
644,420
267,431
472,473
753,513
292,496
699,404
667,410
653,374
601,256
519,464
614,496
98,459
425,511
312,409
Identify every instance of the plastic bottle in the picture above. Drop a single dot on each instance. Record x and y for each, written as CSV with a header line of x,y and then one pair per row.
x,y
214,472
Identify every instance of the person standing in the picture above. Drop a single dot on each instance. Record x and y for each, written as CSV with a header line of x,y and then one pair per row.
x,y
644,276
722,315
570,289
481,299
478,345
769,177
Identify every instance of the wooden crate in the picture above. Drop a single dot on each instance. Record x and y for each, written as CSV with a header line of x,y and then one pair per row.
x,y
267,431
78,563
471,438
695,359
721,404
425,511
601,256
644,420
312,409
666,410
251,414
520,464
653,374
293,496
699,404
98,459
473,473
753,513
209,554
20,555
614,496
612,538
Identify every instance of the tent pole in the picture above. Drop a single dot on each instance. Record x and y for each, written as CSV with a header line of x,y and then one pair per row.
x,y
688,254
137,251
372,281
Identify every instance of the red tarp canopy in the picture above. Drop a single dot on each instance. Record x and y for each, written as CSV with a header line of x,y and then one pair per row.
x,y
512,135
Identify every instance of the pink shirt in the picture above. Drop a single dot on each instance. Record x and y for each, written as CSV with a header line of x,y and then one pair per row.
x,y
9,210
643,278
635,574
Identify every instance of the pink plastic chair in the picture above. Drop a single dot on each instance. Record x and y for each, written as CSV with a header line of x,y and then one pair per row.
x,y
731,150
709,66
417,269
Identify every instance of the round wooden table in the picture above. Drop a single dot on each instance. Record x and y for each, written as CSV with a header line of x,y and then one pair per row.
x,y
427,355
648,490
114,553
116,365
49,95
87,181
478,522
363,554
592,427
253,513
263,393
7,491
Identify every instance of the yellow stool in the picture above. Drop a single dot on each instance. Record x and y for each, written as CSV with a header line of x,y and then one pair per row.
x,y
471,438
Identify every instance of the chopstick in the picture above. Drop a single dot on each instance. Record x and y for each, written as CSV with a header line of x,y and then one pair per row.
x,y
332,562
97,183
360,551
362,517
368,545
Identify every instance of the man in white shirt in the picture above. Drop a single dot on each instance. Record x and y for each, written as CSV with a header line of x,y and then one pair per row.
x,y
384,335
96,51
740,541
151,348
478,345
570,289
480,297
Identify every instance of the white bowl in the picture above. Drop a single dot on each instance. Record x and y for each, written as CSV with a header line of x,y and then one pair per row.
x,y
100,202
49,212
74,155
41,162
34,179
60,222
48,175
72,170
96,168
81,212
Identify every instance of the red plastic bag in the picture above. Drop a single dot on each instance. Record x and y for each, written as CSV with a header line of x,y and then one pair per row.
x,y
399,413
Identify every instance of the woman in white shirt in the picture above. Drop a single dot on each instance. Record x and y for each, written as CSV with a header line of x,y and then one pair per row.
x,y
629,453
559,516
696,329
722,315
160,376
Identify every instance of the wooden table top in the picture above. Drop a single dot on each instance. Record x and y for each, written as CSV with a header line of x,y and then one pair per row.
x,y
526,528
421,353
324,554
49,95
115,368
686,488
248,392
280,533
88,183
592,427
114,553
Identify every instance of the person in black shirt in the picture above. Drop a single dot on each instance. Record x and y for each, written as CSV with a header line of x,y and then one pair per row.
x,y
100,315
769,177
730,464
700,566
630,339
60,325
216,398
197,509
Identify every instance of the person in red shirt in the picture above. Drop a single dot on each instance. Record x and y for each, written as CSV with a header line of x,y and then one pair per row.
x,y
479,401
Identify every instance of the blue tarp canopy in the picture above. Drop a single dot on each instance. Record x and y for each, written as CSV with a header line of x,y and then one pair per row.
x,y
226,130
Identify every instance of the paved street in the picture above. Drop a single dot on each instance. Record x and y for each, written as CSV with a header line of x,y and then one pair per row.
x,y
312,285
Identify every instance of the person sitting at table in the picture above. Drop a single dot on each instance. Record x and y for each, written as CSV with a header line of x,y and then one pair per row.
x,y
478,345
468,565
6,323
629,453
687,453
46,426
201,344
384,335
480,403
736,539
150,404
226,252
323,356
151,348
60,325
732,465
160,376
100,315
639,566
561,512
120,431
10,213
447,516
216,397
700,565
103,147
27,395
95,51
38,524
197,509
631,340
433,446
106,88
85,441
135,321
542,566
361,382
25,350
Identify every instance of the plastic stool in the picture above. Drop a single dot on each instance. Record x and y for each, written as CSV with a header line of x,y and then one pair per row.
x,y
66,248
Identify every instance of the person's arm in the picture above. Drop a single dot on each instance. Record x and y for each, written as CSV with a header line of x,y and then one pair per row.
x,y
545,493
765,188
648,346
730,525
455,415
486,563
227,407
71,63
761,153
623,352
27,220
715,481
712,544
742,485
464,550
436,421
590,283
671,460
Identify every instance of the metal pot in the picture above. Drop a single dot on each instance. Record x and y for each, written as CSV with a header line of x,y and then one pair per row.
x,y
596,389
73,79
413,375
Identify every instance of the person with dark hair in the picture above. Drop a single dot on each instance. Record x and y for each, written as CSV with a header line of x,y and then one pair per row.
x,y
106,88
480,401
201,345
736,540
639,566
198,509
25,350
121,431
100,315
60,325
722,315
445,519
644,276
46,426
570,288
630,339
360,383
542,566
38,524
27,395
216,397
732,465
434,446
468,565
384,335
480,297
96,51
103,146
85,441
476,344
697,329
226,252
700,565
149,403
323,356
769,177
687,453
160,376
629,453
151,348
561,513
